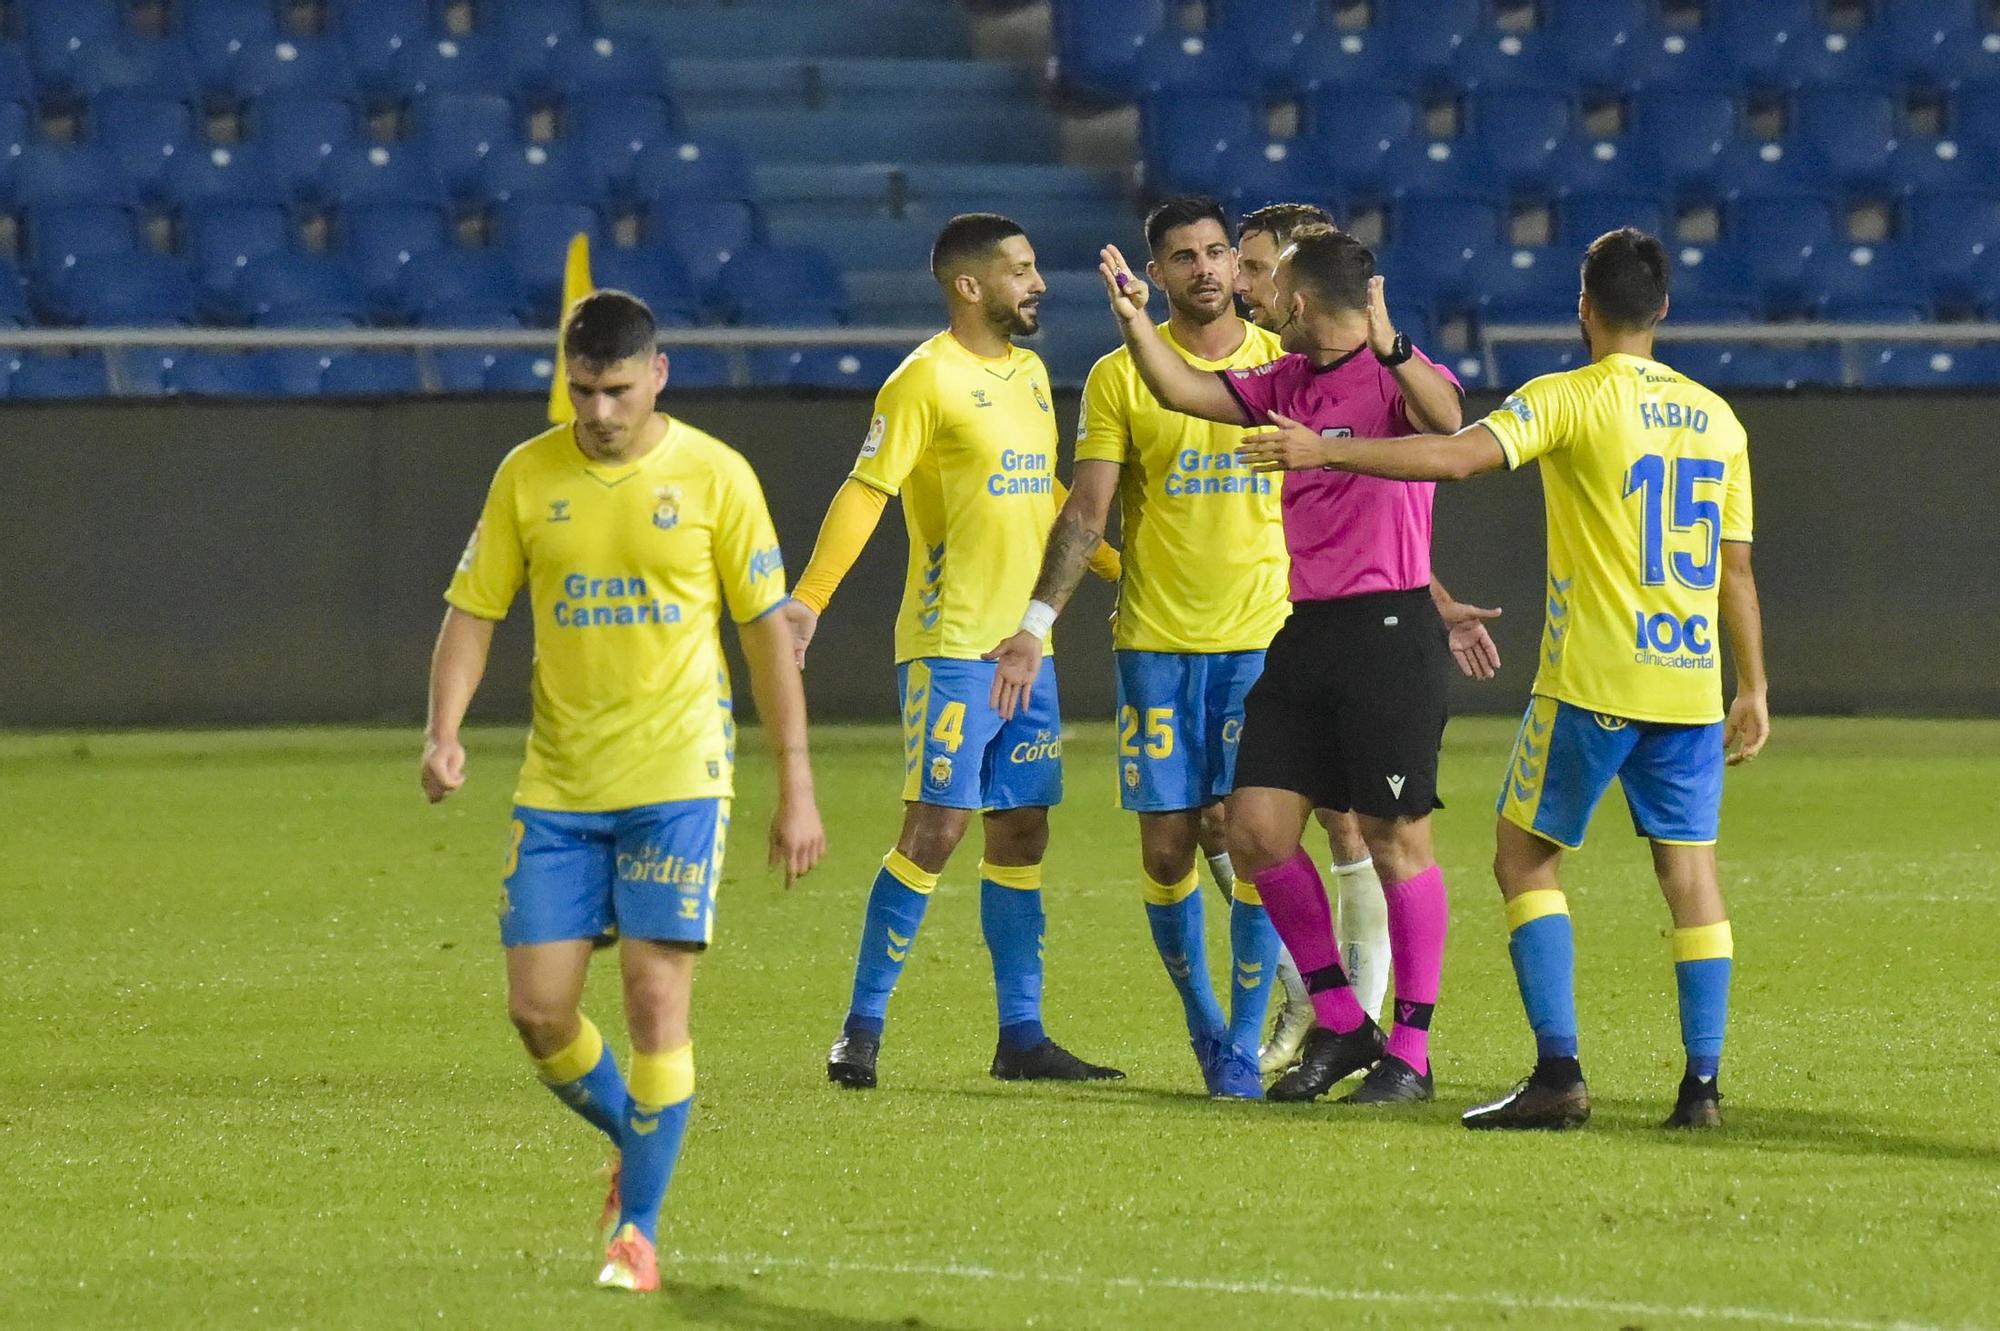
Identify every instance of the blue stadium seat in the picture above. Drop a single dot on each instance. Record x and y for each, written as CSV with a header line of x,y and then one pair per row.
x,y
852,369
1975,113
382,173
1171,62
1851,131
298,135
315,66
1614,166
1913,309
1920,22
1749,365
1520,284
298,370
536,234
218,30
199,373
14,310
380,239
457,281
601,63
1927,365
1265,170
1097,44
530,30
1429,35
470,62
46,376
1690,61
49,173
1265,36
142,135
698,367
707,234
1920,164
1965,57
460,129
612,129
693,169
1751,167
281,289
1585,215
142,371
521,371
1949,234
1184,134
372,374
1446,225
463,369
1423,166
784,285
17,78
1520,130
1756,35
221,239
60,234
237,175
1339,117
1330,57
1710,284
1498,61
130,290
376,33
1684,130
59,31
1776,236
1876,275
552,172
128,63
655,274
1590,36
1852,60
1514,363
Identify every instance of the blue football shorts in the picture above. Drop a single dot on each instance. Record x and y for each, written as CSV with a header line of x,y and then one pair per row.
x,y
1180,718
959,754
650,872
1566,757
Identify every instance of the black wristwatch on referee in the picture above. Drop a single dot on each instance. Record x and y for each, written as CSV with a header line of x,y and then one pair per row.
x,y
1399,351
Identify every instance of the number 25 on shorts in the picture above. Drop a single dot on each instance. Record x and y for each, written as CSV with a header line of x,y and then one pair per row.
x,y
1159,732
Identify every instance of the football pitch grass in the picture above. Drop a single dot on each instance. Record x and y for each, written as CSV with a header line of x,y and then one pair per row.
x,y
257,1072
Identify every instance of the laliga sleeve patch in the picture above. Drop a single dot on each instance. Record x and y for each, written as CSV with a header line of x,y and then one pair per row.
x,y
873,443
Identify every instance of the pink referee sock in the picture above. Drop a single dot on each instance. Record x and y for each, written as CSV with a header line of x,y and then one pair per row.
x,y
1295,899
1418,916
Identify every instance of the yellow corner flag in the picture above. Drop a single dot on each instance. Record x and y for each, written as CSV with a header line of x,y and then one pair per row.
x,y
576,285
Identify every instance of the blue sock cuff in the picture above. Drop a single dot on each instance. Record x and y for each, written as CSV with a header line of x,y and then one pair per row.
x,y
865,1025
1020,1036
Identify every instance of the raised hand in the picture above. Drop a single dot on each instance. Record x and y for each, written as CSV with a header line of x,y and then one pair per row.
x,y
1381,333
1128,294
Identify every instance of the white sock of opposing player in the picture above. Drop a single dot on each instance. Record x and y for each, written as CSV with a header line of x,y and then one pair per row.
x,y
1363,927
1223,871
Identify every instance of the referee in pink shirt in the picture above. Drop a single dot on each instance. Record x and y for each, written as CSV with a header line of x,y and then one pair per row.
x,y
1350,710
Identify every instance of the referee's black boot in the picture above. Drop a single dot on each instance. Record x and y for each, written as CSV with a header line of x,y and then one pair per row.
x,y
1550,1099
1048,1061
1328,1059
1699,1105
1392,1082
851,1061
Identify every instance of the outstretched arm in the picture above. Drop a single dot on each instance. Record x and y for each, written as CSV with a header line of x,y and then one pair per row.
x,y
1749,724
850,520
1078,531
1290,446
458,663
1430,400
1172,380
797,837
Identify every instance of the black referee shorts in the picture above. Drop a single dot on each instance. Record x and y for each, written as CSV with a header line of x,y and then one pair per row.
x,y
1350,709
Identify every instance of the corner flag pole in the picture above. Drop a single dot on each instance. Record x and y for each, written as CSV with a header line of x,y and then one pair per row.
x,y
576,285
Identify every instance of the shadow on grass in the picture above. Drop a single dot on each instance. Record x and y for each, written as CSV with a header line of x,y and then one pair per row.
x,y
735,1306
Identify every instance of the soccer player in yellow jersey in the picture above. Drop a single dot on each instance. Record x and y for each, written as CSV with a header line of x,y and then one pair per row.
x,y
631,531
965,432
1646,481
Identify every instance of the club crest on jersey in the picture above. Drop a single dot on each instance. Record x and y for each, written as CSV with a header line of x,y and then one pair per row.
x,y
940,773
1041,398
1131,776
979,398
667,512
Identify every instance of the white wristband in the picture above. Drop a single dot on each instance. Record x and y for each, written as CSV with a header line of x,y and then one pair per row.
x,y
1039,618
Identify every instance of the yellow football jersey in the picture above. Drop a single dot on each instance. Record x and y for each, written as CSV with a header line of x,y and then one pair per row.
x,y
1644,474
627,569
970,444
1202,535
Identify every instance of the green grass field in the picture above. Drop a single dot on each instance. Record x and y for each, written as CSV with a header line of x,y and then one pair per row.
x,y
255,1071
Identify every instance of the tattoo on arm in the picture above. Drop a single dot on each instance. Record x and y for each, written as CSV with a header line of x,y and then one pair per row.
x,y
1071,543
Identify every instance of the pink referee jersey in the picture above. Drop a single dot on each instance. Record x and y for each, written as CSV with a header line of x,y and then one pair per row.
x,y
1348,535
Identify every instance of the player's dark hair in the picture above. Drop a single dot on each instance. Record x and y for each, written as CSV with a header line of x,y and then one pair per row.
x,y
1183,210
969,236
608,326
1625,275
1282,221
1333,265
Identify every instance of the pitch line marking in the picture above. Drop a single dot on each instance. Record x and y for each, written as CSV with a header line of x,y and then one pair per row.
x,y
1415,1298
